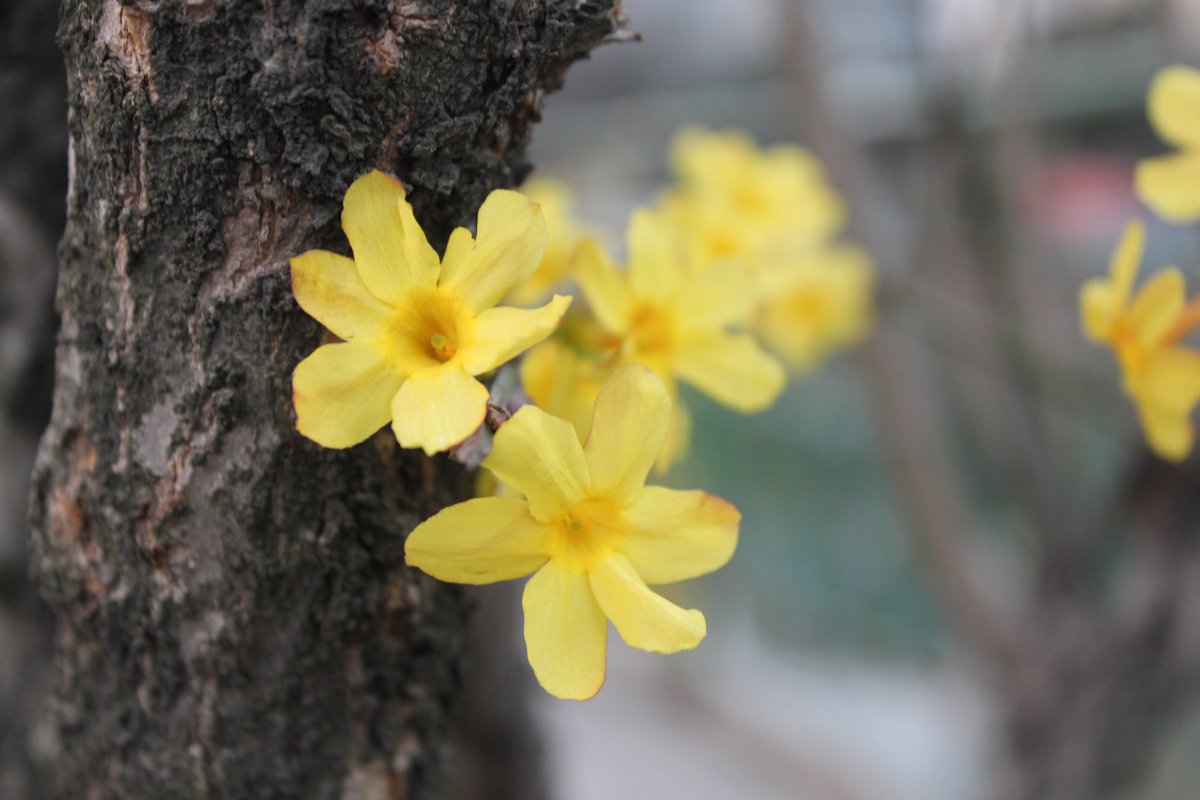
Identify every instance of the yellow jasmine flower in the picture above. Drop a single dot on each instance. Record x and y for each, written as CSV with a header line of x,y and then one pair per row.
x,y
737,200
590,531
816,304
675,317
563,233
1144,330
416,331
1171,184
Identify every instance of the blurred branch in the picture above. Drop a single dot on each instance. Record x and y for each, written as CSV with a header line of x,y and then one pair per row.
x,y
33,178
1089,676
937,502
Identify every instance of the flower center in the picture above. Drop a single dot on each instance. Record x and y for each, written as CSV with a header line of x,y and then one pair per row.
x,y
429,328
441,346
751,200
810,305
587,533
653,332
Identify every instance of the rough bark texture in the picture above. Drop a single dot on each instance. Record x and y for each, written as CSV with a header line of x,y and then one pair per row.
x,y
235,617
33,180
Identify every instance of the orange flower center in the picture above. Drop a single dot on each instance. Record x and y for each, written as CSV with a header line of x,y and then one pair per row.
x,y
653,333
809,305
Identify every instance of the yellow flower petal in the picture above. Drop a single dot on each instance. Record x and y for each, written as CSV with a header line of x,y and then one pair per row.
x,y
716,297
1173,103
605,288
656,253
1166,391
1169,433
483,540
540,456
732,369
629,426
1171,185
1171,379
343,393
679,434
437,408
1156,307
562,236
509,243
327,286
503,333
1126,258
677,535
565,633
458,249
644,619
700,156
389,246
1098,309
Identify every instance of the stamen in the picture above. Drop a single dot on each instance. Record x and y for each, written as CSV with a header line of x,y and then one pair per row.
x,y
441,346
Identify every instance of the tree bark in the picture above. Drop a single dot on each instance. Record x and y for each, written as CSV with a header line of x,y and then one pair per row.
x,y
235,619
33,181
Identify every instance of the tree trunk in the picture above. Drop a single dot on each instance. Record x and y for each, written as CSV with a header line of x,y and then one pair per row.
x,y
33,181
235,619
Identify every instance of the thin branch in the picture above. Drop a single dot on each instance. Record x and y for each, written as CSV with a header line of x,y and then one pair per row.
x,y
935,499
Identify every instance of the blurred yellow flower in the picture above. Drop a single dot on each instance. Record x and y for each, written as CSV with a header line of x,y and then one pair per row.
x,y
676,318
736,200
1144,331
1170,184
589,530
564,381
416,331
563,233
816,303
563,378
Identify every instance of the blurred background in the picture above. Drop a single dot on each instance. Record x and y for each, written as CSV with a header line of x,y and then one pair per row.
x,y
960,573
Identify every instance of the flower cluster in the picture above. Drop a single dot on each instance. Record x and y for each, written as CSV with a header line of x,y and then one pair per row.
x,y
741,248
1146,330
740,252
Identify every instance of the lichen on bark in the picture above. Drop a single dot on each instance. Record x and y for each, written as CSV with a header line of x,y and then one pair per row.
x,y
235,617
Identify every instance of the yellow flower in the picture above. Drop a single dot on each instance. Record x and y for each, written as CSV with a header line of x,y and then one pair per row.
x,y
562,235
589,530
416,331
1171,184
815,304
736,200
1144,331
675,318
